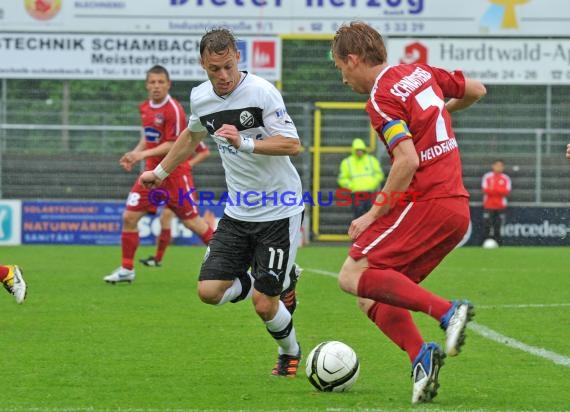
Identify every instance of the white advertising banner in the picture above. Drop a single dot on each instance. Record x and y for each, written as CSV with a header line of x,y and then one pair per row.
x,y
498,61
122,56
274,17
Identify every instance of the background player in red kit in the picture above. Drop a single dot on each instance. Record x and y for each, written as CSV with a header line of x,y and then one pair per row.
x,y
496,186
201,153
396,246
163,119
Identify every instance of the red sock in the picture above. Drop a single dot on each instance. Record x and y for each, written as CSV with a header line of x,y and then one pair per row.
x,y
394,288
398,325
207,235
129,245
163,242
3,272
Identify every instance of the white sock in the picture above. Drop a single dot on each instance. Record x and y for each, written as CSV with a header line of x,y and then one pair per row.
x,y
236,289
282,329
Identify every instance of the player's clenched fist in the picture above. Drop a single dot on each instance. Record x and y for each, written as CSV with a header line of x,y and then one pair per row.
x,y
568,151
149,180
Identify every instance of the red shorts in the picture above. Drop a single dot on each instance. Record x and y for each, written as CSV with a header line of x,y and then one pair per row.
x,y
415,237
171,194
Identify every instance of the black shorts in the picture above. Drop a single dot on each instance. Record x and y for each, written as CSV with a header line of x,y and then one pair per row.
x,y
268,248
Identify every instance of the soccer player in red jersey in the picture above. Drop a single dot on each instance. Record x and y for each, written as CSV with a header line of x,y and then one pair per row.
x,y
397,244
496,186
163,119
201,153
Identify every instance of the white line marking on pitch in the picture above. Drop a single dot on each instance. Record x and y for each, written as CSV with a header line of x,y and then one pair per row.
x,y
524,306
322,272
496,336
513,343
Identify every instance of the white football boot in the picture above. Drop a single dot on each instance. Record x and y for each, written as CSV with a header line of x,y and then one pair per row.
x,y
14,283
454,323
120,275
425,373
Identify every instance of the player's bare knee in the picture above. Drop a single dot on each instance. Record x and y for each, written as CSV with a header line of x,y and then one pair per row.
x,y
263,309
130,221
349,276
345,280
208,294
266,307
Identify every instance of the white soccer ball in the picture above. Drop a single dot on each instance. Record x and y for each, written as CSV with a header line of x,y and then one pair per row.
x,y
490,244
332,367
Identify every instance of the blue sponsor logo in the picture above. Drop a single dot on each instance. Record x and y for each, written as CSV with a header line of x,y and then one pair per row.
x,y
151,135
5,222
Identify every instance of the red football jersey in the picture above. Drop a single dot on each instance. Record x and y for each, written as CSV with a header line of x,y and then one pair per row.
x,y
496,187
162,123
407,102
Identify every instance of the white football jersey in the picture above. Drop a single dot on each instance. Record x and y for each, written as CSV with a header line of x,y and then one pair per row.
x,y
261,188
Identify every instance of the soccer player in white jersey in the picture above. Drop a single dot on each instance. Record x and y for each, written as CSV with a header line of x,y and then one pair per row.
x,y
247,118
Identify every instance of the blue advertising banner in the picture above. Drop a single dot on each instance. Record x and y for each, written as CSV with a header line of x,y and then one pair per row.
x,y
73,223
526,226
96,223
100,223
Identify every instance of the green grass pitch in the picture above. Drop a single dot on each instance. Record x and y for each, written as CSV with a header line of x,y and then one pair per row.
x,y
80,344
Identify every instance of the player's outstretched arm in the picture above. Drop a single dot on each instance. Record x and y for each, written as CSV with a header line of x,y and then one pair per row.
x,y
182,148
276,145
474,90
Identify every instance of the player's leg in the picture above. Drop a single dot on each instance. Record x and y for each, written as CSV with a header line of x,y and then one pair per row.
x,y
289,294
163,240
199,226
426,358
129,245
224,273
498,221
12,278
396,323
137,206
391,314
419,239
487,225
279,323
390,287
274,256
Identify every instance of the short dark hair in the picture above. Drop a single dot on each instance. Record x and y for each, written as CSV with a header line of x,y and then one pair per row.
x,y
218,40
158,69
